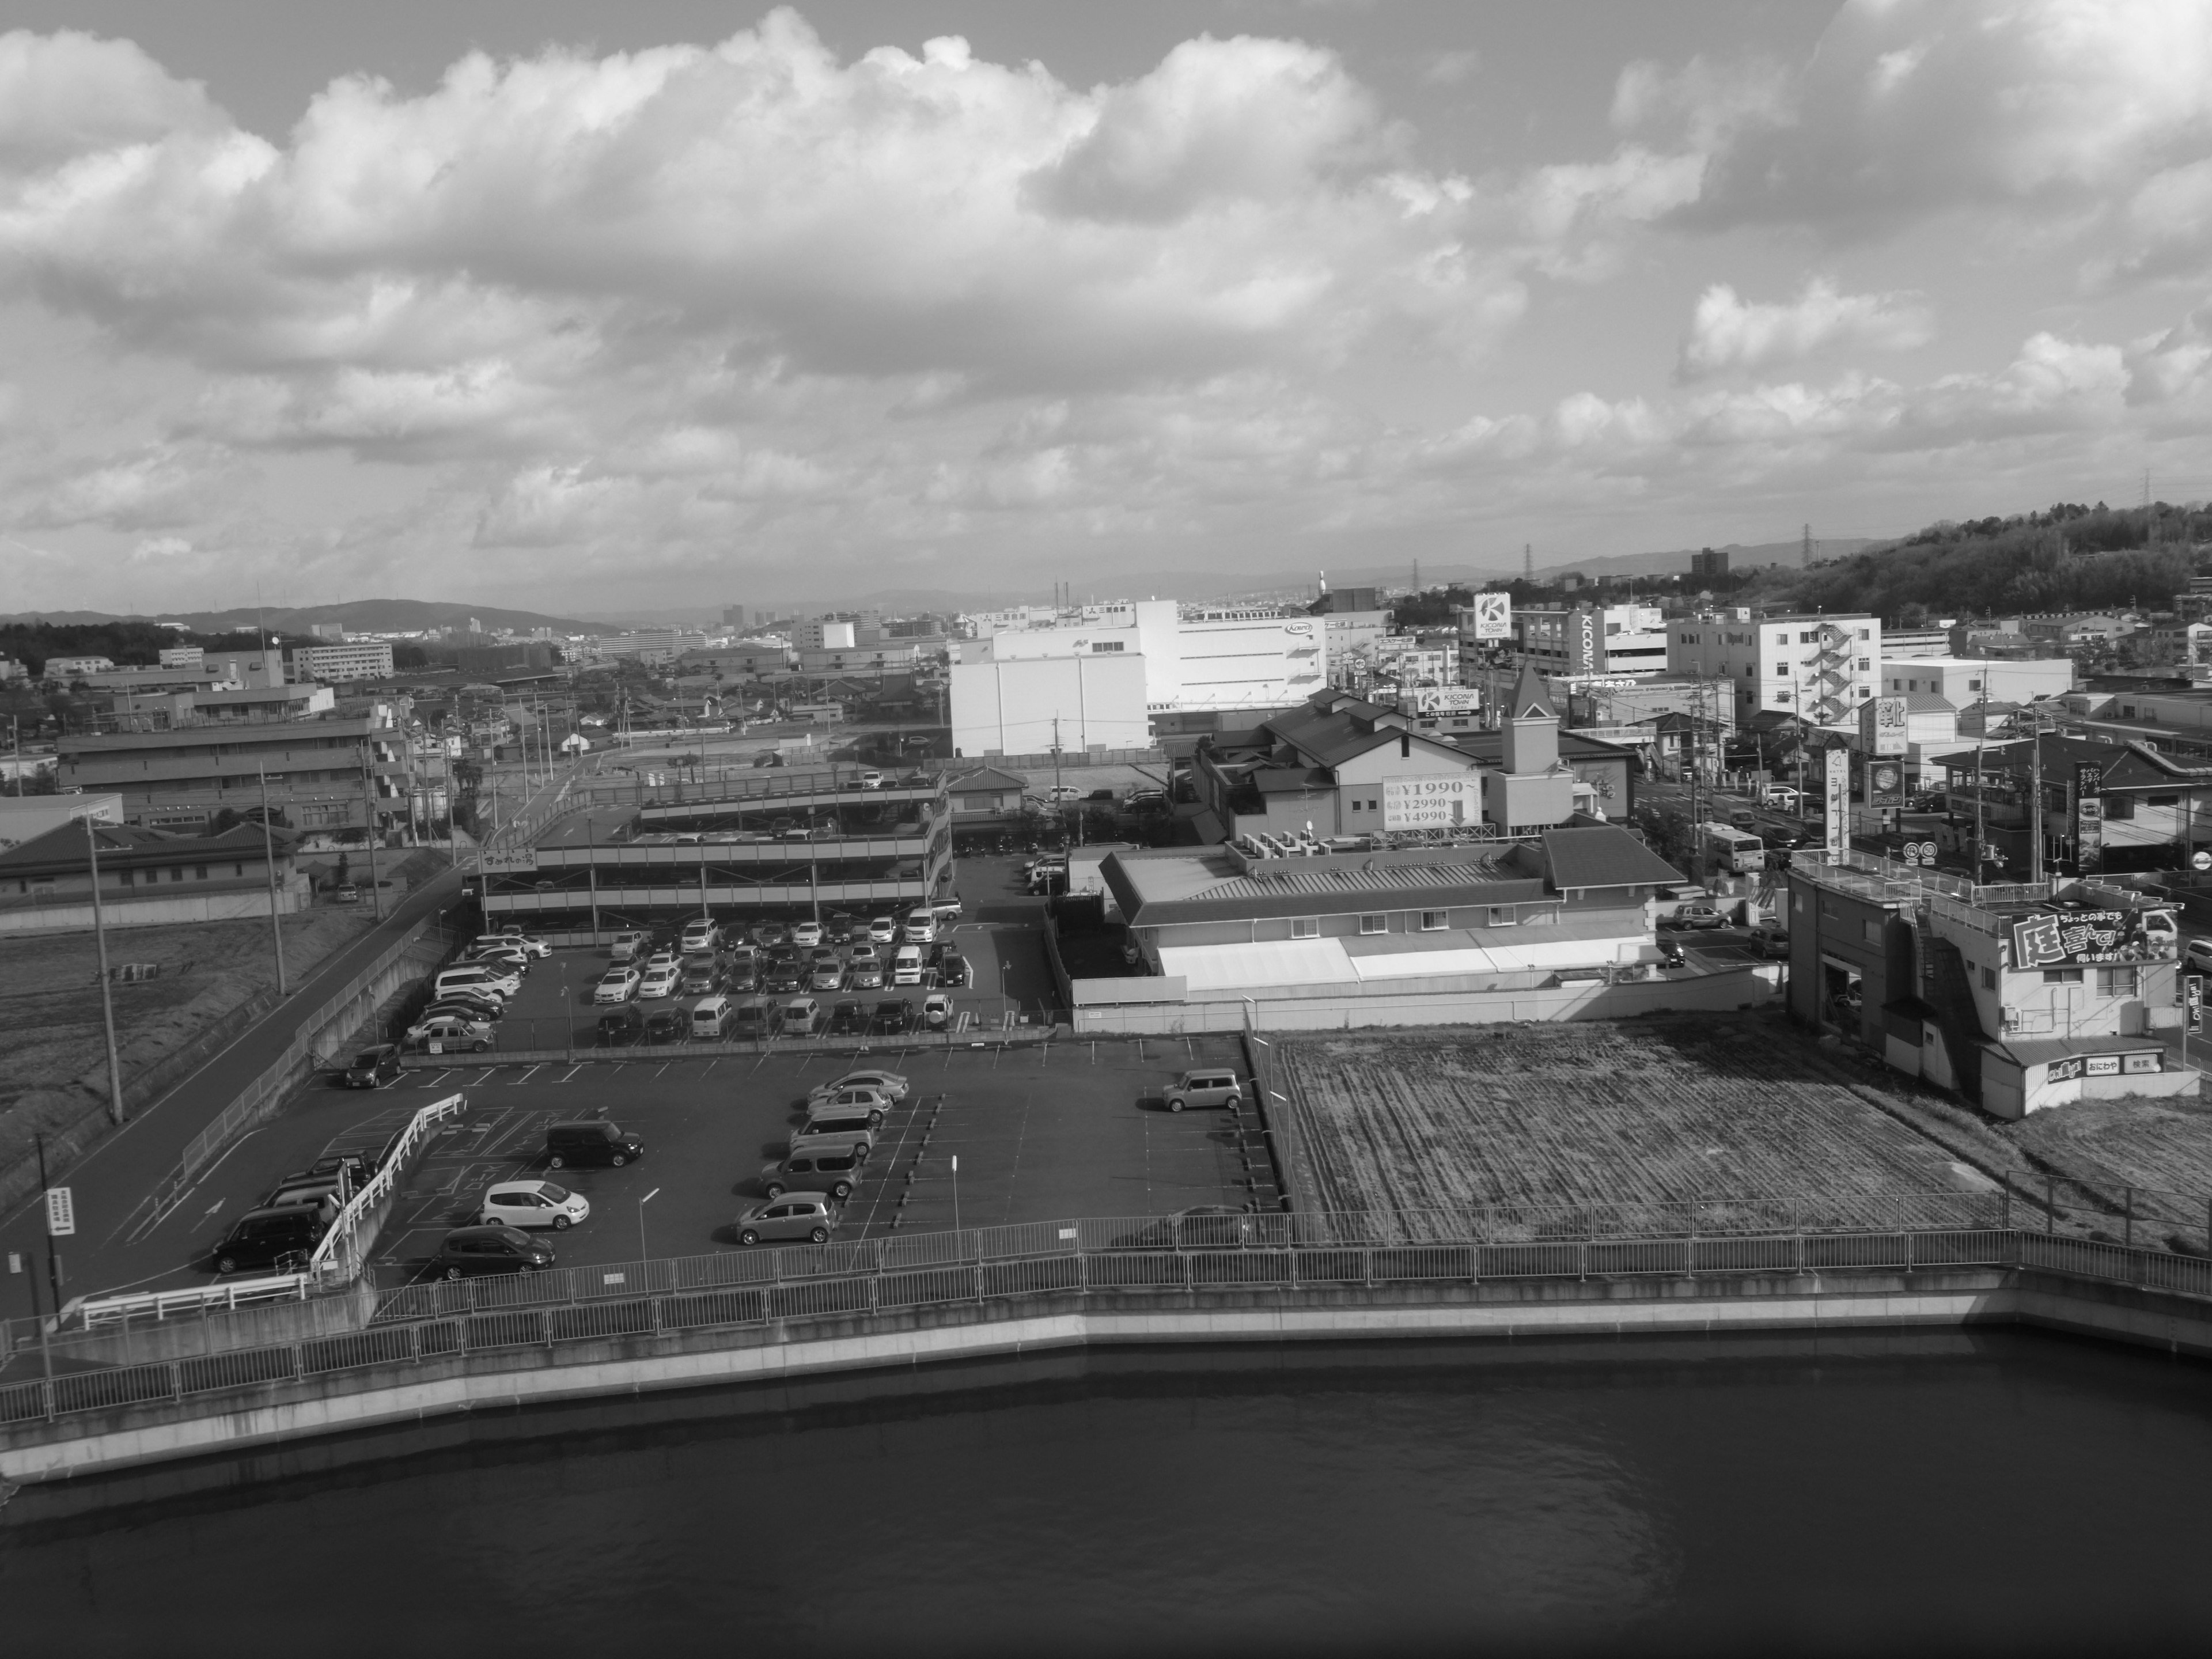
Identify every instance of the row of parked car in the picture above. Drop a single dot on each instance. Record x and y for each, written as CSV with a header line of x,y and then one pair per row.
x,y
280,1233
720,1019
469,996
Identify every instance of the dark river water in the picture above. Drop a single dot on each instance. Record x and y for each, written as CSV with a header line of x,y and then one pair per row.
x,y
2001,1493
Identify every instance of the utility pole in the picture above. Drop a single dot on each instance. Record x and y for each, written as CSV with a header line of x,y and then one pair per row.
x,y
2035,801
53,1260
268,859
106,997
369,812
1058,805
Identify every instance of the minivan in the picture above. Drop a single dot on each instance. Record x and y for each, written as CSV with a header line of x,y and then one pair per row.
x,y
1208,1088
906,966
476,975
710,1018
593,1142
813,1167
271,1238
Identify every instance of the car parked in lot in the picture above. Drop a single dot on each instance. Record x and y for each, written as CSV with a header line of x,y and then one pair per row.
x,y
884,930
860,1101
771,934
449,1032
1703,916
848,1019
592,1140
936,1011
700,979
1770,941
371,1067
493,1249
806,934
797,1017
951,968
489,1005
793,1216
512,956
1210,1086
477,976
525,1204
826,976
710,1018
920,928
832,1167
280,1240
699,934
742,979
657,983
528,941
750,1022
867,977
892,1016
628,946
2196,956
668,1024
906,965
892,1085
783,978
617,985
622,1028
309,1192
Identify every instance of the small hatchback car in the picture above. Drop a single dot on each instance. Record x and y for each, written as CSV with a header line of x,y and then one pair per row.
x,y
524,1204
494,1249
1210,1088
816,1166
795,1215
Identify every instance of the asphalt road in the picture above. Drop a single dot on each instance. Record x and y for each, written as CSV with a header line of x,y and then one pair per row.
x,y
111,1182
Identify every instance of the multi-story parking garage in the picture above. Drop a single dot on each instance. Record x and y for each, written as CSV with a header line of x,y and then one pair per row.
x,y
785,846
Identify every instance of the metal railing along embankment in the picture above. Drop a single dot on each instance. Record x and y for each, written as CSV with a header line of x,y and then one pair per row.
x,y
1118,1264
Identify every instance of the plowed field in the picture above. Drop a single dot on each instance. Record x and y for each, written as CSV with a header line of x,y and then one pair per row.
x,y
1634,1118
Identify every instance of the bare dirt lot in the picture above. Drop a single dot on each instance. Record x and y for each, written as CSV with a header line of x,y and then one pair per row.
x,y
1633,1116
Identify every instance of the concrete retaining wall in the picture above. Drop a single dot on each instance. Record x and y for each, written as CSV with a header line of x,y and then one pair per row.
x,y
122,911
1745,988
1506,1310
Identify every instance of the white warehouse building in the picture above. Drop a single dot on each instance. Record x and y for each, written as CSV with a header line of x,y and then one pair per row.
x,y
1104,672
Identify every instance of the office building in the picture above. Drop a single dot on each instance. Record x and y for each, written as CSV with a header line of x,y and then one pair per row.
x,y
1612,642
2015,997
323,772
1820,668
1963,680
1709,564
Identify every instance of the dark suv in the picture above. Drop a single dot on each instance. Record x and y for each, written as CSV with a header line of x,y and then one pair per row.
x,y
621,1027
282,1239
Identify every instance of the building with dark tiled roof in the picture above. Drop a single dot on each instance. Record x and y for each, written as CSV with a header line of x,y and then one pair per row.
x,y
146,878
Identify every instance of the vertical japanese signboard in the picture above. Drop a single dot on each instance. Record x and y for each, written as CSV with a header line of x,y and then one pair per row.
x,y
1493,616
2089,818
1882,728
1583,646
2192,998
1838,795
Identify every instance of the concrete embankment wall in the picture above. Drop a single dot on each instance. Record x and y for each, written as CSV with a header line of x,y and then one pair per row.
x,y
429,1388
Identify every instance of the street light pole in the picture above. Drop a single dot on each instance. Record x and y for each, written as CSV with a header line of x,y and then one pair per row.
x,y
106,997
368,813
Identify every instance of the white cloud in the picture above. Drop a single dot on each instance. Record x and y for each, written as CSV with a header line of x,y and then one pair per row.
x,y
1729,333
1910,107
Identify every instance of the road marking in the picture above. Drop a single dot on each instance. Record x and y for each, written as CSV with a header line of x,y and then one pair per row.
x,y
664,1064
526,1076
570,1073
711,1065
211,1209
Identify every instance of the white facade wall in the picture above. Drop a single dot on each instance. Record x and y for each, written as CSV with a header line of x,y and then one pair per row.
x,y
1963,680
1222,660
1821,667
1008,708
362,660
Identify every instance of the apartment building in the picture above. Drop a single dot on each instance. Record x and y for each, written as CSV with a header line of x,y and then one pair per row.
x,y
1614,641
1963,680
323,772
1820,668
354,660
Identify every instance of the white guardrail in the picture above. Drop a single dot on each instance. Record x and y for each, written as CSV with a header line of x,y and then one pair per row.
x,y
335,1257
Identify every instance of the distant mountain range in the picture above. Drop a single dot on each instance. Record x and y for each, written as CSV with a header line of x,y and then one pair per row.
x,y
368,616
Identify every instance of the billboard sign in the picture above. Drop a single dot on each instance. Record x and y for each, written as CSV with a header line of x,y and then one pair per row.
x,y
2075,938
1440,801
509,863
1839,800
2192,998
1583,650
1885,780
61,1212
1442,699
2088,816
1881,726
1493,616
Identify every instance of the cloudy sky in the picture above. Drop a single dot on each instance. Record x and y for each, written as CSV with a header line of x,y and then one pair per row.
x,y
565,305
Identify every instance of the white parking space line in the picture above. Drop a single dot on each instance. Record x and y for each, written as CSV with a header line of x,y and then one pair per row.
x,y
570,1073
526,1076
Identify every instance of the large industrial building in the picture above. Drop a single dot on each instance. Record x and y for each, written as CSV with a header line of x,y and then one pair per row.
x,y
1103,673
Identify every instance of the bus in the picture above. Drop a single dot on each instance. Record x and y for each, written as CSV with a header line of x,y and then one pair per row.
x,y
1727,847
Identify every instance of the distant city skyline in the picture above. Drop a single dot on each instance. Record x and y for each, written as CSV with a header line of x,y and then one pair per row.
x,y
529,304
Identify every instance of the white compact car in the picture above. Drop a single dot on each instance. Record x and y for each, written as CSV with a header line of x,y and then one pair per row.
x,y
533,1204
892,1085
616,985
658,982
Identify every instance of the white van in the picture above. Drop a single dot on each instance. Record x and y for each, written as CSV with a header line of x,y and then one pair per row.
x,y
475,976
906,966
710,1018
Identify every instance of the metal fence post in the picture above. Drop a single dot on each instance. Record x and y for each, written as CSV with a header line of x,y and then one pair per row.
x,y
2128,1225
2050,1204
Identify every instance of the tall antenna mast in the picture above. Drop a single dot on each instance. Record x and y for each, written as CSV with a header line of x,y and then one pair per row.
x,y
1528,562
1805,551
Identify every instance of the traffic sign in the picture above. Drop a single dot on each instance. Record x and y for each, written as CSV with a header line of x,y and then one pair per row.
x,y
2200,860
61,1212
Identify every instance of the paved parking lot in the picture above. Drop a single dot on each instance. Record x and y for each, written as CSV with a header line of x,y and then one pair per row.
x,y
1059,1130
